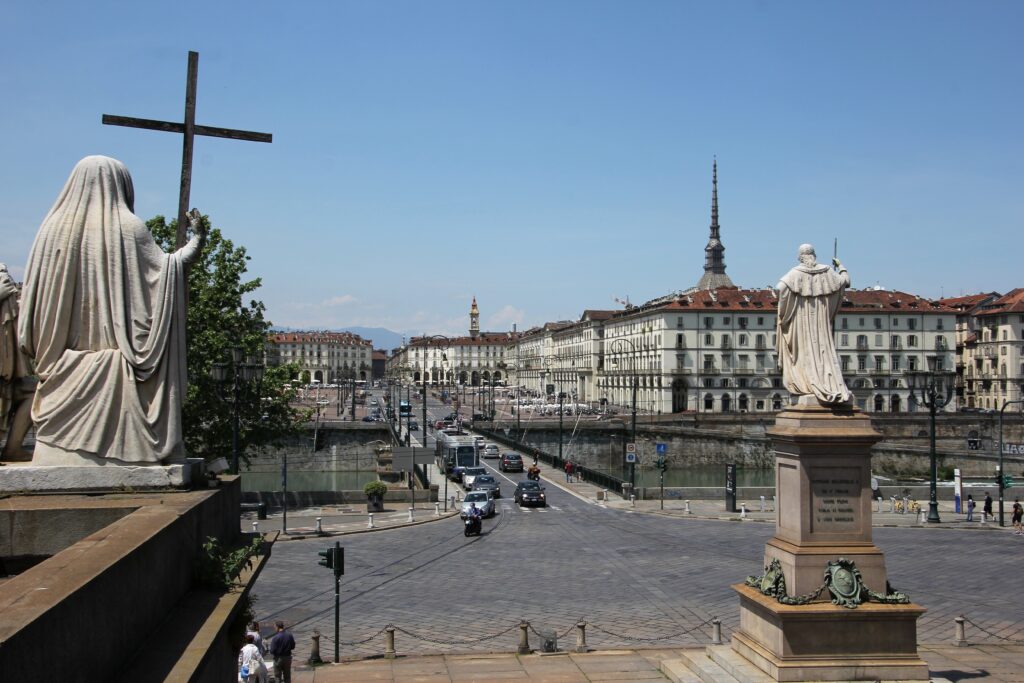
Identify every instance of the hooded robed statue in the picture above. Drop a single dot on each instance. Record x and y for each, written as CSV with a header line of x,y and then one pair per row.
x,y
103,320
809,298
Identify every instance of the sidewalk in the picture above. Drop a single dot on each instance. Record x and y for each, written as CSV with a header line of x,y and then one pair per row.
x,y
339,520
715,509
945,662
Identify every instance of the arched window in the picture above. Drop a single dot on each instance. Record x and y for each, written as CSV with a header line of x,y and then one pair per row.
x,y
879,403
709,402
743,403
726,403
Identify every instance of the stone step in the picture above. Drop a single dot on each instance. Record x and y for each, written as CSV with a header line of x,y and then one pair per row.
x,y
677,671
737,666
700,665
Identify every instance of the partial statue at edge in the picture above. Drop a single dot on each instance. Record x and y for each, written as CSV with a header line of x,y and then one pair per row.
x,y
809,298
16,382
103,320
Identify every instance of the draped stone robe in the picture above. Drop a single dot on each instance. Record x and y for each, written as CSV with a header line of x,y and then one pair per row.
x,y
809,298
103,319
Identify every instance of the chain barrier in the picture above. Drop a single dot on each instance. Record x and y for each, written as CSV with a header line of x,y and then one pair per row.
x,y
559,636
637,639
1017,641
473,641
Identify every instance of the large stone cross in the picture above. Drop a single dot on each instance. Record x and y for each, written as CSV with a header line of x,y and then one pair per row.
x,y
189,129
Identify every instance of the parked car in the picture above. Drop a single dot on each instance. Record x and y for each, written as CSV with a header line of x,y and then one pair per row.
x,y
529,493
491,450
469,474
487,482
483,500
369,418
511,462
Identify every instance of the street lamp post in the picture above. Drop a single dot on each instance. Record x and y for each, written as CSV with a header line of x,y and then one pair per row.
x,y
239,374
444,357
1001,474
935,387
636,380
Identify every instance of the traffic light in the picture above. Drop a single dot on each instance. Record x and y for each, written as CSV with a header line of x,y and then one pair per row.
x,y
1007,481
327,558
662,464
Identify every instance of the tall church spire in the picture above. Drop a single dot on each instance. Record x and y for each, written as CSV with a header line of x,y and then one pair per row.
x,y
714,253
474,320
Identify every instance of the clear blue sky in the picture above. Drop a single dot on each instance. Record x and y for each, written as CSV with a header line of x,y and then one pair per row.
x,y
542,155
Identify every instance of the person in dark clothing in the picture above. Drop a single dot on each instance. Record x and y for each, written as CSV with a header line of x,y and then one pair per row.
x,y
986,509
281,646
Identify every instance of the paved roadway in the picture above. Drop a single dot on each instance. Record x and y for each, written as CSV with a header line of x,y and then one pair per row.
x,y
631,576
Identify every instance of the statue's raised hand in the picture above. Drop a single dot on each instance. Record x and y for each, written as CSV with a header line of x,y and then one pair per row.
x,y
836,263
195,223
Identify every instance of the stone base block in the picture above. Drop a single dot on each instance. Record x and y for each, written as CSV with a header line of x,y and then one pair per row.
x,y
27,478
804,565
825,642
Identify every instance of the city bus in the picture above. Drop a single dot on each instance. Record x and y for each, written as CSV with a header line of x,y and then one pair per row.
x,y
454,452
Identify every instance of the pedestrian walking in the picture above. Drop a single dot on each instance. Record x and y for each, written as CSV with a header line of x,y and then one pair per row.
x,y
986,508
568,471
970,508
257,639
281,646
1018,515
251,667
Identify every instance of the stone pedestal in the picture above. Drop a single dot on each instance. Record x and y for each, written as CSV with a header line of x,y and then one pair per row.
x,y
29,477
823,480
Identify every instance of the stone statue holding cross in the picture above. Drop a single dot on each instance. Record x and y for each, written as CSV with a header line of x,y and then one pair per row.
x,y
809,298
103,320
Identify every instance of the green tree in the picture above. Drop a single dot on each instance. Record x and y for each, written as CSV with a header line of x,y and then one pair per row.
x,y
219,320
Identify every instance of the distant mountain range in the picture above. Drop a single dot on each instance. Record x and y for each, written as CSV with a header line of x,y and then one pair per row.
x,y
381,337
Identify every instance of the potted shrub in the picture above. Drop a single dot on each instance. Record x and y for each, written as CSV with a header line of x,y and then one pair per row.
x,y
375,491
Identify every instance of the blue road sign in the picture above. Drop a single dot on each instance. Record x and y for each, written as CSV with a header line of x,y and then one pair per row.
x,y
662,448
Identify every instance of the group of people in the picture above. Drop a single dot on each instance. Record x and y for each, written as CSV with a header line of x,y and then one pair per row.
x,y
1016,512
252,666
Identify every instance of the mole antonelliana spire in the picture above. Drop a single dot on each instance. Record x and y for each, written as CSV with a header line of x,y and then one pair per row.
x,y
714,253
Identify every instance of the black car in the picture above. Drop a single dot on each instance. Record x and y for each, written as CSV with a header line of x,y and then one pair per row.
x,y
530,493
511,462
414,426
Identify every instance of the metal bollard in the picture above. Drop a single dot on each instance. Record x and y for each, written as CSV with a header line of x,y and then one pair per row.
x,y
437,509
369,524
451,501
411,517
524,638
632,500
319,526
688,508
762,504
774,504
716,631
743,510
581,636
961,638
922,516
255,527
984,518
906,504
389,642
314,654
892,504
